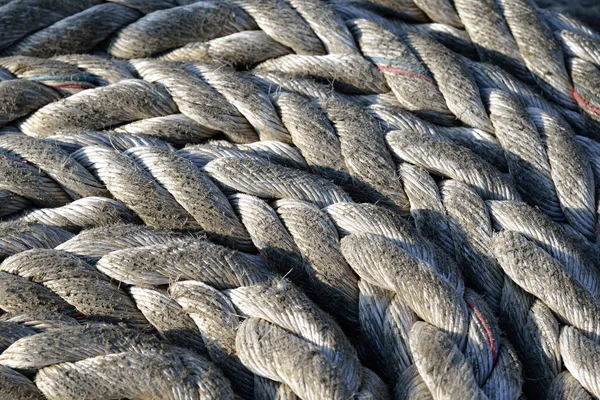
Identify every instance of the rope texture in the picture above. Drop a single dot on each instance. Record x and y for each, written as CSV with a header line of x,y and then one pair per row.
x,y
298,199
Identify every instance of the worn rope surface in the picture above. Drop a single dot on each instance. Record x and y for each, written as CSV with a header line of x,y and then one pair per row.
x,y
298,199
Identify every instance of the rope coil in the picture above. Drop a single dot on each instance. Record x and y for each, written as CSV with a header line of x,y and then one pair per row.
x,y
299,199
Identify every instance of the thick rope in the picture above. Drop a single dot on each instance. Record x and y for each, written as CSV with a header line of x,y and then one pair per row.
x,y
400,184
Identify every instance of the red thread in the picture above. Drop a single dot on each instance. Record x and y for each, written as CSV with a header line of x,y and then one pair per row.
x,y
488,330
77,314
400,71
71,86
584,103
263,255
19,160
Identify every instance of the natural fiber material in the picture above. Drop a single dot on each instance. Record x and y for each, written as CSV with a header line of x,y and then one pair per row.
x,y
298,199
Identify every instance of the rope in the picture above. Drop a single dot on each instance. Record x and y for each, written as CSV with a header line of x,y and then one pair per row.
x,y
298,199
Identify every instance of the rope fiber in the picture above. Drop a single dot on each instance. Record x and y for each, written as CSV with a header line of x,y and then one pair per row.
x,y
299,199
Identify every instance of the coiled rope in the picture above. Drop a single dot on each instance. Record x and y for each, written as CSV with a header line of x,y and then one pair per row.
x,y
281,199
